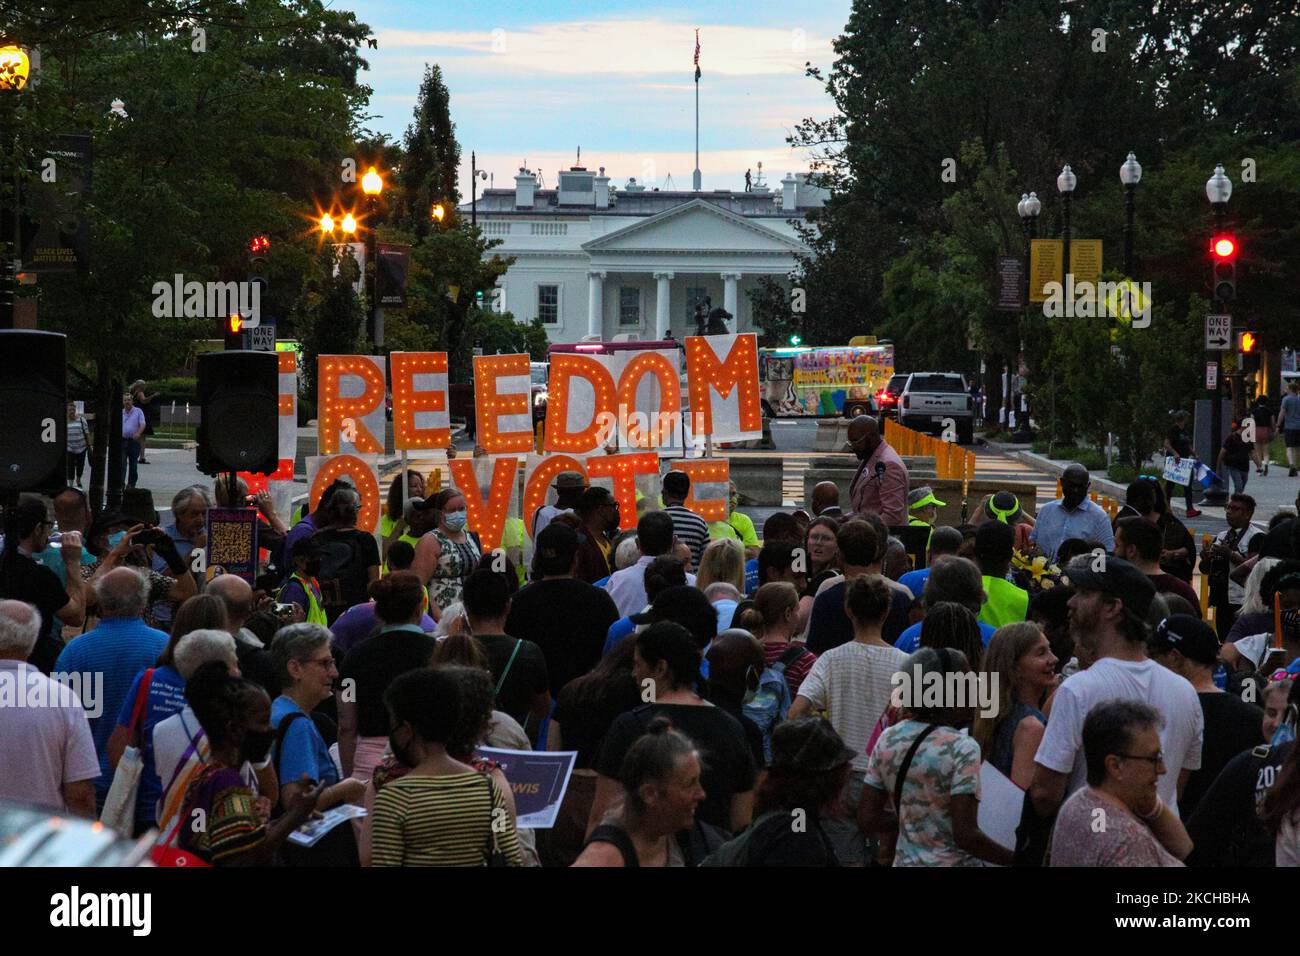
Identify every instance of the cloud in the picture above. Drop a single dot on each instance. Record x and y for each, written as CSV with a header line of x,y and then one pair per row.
x,y
603,47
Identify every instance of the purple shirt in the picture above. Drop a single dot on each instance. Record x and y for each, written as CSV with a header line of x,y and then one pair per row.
x,y
358,621
132,422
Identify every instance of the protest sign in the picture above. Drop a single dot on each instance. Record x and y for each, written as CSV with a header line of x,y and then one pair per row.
x,y
538,780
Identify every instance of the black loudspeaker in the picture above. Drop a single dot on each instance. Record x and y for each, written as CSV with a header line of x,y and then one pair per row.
x,y
33,410
239,393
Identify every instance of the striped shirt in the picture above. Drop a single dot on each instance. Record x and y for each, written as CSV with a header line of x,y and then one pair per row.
x,y
442,821
796,670
78,435
690,530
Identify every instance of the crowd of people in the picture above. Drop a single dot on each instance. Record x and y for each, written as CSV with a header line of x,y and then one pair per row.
x,y
808,693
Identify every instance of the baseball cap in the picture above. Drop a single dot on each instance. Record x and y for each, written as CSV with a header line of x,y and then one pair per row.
x,y
1188,635
920,497
807,745
1117,578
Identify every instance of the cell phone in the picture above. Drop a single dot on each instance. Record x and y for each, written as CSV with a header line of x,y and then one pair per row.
x,y
283,609
151,536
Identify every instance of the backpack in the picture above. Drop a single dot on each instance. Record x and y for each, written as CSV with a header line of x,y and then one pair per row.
x,y
772,700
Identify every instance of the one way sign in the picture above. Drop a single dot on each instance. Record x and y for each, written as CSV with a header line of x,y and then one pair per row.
x,y
1218,333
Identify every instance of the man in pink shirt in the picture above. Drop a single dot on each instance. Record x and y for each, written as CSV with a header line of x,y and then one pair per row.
x,y
47,753
880,484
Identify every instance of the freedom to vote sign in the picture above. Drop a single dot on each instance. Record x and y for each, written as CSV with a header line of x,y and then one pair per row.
x,y
538,779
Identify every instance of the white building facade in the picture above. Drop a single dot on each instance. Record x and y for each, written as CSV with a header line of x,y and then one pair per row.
x,y
593,261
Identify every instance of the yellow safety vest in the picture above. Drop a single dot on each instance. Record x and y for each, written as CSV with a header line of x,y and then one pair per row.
x,y
315,613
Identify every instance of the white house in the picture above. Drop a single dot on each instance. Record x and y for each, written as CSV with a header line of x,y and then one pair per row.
x,y
591,260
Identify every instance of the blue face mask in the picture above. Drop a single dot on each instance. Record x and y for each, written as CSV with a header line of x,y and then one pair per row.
x,y
455,520
1285,733
115,539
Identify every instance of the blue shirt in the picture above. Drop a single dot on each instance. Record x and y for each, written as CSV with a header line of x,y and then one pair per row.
x,y
914,581
166,697
132,421
910,639
1055,524
115,652
620,629
304,750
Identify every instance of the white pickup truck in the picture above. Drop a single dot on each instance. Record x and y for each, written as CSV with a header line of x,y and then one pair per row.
x,y
930,399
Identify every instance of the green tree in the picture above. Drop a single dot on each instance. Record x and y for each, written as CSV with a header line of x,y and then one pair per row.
x,y
336,323
432,156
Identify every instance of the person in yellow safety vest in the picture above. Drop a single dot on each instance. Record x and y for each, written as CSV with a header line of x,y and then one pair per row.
x,y
302,588
923,509
738,526
512,540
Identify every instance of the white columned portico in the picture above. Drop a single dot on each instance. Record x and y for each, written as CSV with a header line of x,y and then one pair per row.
x,y
663,321
595,303
729,296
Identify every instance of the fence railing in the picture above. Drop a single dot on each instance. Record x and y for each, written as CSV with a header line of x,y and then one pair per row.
x,y
950,459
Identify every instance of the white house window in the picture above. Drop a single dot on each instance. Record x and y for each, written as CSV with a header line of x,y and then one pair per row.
x,y
629,305
548,304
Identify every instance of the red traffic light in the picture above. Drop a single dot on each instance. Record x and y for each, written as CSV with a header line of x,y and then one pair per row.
x,y
259,244
1248,342
1224,247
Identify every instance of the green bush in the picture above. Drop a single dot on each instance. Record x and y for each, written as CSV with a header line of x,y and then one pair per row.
x,y
1122,474
1090,458
181,388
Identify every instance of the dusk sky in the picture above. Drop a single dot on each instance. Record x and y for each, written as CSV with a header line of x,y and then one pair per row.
x,y
534,80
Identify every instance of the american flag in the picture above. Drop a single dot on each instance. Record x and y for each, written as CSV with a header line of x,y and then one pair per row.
x,y
697,56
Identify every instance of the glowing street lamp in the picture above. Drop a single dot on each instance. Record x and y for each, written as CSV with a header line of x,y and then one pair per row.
x,y
438,212
15,67
327,223
348,225
372,184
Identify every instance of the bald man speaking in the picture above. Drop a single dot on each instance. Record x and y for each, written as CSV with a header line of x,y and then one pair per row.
x,y
880,484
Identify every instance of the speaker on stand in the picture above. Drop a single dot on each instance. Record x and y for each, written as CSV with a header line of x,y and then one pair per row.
x,y
239,428
33,412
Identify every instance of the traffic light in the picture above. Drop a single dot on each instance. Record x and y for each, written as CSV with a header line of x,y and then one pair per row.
x,y
1223,249
478,298
232,331
795,339
258,247
1247,342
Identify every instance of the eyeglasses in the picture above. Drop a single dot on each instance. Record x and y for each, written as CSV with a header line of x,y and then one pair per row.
x,y
325,662
1155,761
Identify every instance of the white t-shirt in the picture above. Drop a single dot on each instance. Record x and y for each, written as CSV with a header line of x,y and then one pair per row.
x,y
852,684
45,738
1172,696
1237,592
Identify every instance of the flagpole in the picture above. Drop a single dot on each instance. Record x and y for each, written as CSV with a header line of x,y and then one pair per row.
x,y
695,179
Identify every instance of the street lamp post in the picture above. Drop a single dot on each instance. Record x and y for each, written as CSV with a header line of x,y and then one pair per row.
x,y
1028,208
372,184
15,67
475,174
1218,190
1065,184
1130,174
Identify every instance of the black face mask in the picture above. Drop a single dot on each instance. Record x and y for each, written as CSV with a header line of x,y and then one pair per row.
x,y
312,568
256,745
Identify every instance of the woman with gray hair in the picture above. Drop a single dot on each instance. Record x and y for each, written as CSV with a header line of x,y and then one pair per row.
x,y
1121,743
302,758
923,777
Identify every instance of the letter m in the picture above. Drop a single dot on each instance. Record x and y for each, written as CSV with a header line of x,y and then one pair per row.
x,y
223,299
706,375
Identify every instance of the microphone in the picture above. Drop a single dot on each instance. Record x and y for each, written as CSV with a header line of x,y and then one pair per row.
x,y
880,471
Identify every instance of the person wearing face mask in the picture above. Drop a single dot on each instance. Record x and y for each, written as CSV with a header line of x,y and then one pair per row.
x,y
1072,516
737,526
735,666
349,557
1121,741
302,588
235,715
448,554
879,486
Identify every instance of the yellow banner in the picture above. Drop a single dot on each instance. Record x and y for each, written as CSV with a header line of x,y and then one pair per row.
x,y
1085,260
1045,258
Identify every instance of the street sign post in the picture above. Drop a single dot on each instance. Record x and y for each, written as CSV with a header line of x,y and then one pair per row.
x,y
1218,333
260,338
1211,376
1011,284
